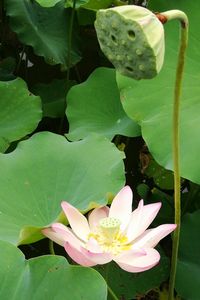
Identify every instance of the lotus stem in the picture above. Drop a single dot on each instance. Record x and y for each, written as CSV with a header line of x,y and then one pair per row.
x,y
112,293
51,247
181,16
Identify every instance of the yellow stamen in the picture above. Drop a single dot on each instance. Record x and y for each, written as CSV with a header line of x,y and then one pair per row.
x,y
109,236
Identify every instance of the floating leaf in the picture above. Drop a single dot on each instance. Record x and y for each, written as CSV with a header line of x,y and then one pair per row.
x,y
47,169
46,30
149,102
20,111
94,106
46,277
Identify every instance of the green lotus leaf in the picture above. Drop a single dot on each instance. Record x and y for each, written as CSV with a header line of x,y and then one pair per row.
x,y
47,169
53,96
45,29
46,277
47,3
78,3
7,67
94,106
163,178
187,278
95,4
4,144
149,102
129,285
87,13
20,111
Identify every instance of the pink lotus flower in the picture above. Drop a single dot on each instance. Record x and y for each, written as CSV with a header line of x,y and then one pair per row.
x,y
114,233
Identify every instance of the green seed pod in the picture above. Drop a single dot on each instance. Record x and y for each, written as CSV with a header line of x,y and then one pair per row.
x,y
134,34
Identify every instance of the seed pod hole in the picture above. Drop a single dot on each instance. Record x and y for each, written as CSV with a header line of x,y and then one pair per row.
x,y
131,34
113,38
129,69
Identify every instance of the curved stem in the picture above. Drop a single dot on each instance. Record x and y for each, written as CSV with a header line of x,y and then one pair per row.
x,y
112,293
170,15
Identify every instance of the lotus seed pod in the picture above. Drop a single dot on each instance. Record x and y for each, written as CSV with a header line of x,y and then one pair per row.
x,y
134,34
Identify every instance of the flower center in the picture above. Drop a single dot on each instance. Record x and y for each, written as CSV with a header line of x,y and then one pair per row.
x,y
109,236
110,227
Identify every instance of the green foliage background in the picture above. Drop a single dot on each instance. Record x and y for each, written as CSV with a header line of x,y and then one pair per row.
x,y
73,129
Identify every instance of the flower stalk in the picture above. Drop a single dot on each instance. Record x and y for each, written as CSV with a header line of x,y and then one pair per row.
x,y
112,293
181,16
51,247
